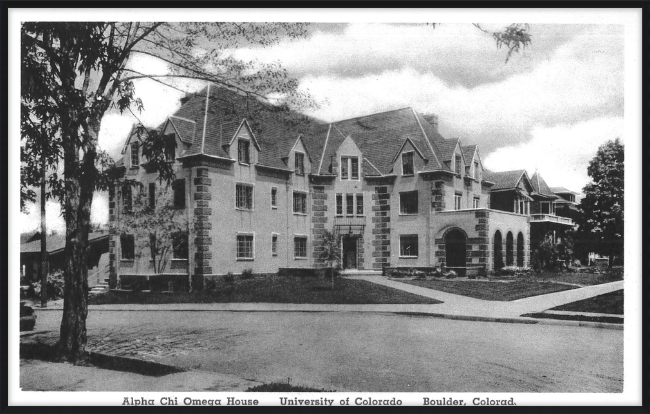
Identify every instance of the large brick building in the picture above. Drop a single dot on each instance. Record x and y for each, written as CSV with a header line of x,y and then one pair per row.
x,y
259,189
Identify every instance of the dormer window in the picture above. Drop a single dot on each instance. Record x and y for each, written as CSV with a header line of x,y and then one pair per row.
x,y
458,165
349,168
135,155
300,163
407,163
243,150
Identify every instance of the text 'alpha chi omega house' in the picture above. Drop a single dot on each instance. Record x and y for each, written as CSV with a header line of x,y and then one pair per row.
x,y
259,188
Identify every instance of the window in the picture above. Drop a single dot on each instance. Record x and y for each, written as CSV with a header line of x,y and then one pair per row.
x,y
457,198
476,169
127,197
408,202
135,155
245,247
244,197
152,195
458,164
360,204
349,168
300,163
477,202
354,168
274,197
300,247
171,151
299,203
179,193
521,207
408,245
274,244
339,204
128,246
243,151
407,163
349,204
179,245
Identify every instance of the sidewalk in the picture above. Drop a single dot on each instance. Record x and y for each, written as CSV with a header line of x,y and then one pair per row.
x,y
454,306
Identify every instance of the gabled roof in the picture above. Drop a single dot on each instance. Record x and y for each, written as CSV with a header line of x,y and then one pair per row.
x,y
540,186
379,137
468,152
415,147
562,190
505,180
447,148
185,128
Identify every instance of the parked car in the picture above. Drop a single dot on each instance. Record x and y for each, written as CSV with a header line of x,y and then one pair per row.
x,y
27,317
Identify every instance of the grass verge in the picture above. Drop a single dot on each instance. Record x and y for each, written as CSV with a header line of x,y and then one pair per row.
x,y
611,303
585,279
517,289
274,289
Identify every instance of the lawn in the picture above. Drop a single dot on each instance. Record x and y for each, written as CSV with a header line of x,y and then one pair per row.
x,y
611,303
274,289
499,291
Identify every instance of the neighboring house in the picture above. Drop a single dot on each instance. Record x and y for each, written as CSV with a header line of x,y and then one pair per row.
x,y
259,193
30,257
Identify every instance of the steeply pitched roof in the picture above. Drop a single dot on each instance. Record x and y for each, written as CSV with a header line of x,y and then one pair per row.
x,y
56,242
540,186
184,127
468,152
562,190
380,137
504,180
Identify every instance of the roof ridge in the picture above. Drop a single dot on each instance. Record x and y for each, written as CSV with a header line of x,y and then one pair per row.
x,y
376,113
415,115
322,156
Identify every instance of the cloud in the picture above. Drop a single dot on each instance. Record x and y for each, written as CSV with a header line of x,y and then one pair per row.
x,y
560,153
459,54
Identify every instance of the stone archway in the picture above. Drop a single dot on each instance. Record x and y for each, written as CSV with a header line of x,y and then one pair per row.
x,y
498,250
455,248
520,250
509,249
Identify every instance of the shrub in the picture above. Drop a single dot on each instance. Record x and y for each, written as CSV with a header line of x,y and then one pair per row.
x,y
450,275
210,284
54,287
576,263
247,274
229,278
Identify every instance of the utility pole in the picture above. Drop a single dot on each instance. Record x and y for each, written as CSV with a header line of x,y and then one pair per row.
x,y
43,238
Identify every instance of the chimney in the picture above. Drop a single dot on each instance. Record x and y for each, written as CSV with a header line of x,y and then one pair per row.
x,y
433,120
186,98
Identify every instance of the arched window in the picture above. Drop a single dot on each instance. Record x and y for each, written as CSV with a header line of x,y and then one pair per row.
x,y
520,250
509,248
498,250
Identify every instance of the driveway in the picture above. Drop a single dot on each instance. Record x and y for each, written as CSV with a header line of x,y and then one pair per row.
x,y
364,351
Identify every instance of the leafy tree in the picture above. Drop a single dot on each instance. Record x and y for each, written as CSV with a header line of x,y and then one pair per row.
x,y
331,253
159,228
73,73
602,222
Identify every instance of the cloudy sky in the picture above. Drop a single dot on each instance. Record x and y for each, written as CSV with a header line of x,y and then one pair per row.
x,y
548,108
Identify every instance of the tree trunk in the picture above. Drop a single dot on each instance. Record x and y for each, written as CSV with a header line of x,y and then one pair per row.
x,y
43,238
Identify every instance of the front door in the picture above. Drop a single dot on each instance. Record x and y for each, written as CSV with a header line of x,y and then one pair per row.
x,y
349,253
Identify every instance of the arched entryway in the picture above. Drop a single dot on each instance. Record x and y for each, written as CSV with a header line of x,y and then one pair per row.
x,y
520,250
509,249
455,248
498,250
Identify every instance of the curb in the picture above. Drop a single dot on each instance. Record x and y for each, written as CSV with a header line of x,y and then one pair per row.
x,y
520,320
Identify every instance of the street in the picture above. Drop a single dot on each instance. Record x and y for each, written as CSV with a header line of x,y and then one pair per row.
x,y
363,351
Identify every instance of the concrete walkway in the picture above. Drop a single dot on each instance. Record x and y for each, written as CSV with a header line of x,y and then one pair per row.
x,y
463,305
453,306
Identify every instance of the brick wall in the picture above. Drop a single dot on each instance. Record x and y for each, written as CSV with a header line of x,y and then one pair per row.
x,y
202,199
319,221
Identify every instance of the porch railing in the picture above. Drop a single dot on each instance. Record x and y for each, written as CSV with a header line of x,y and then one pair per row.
x,y
551,218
